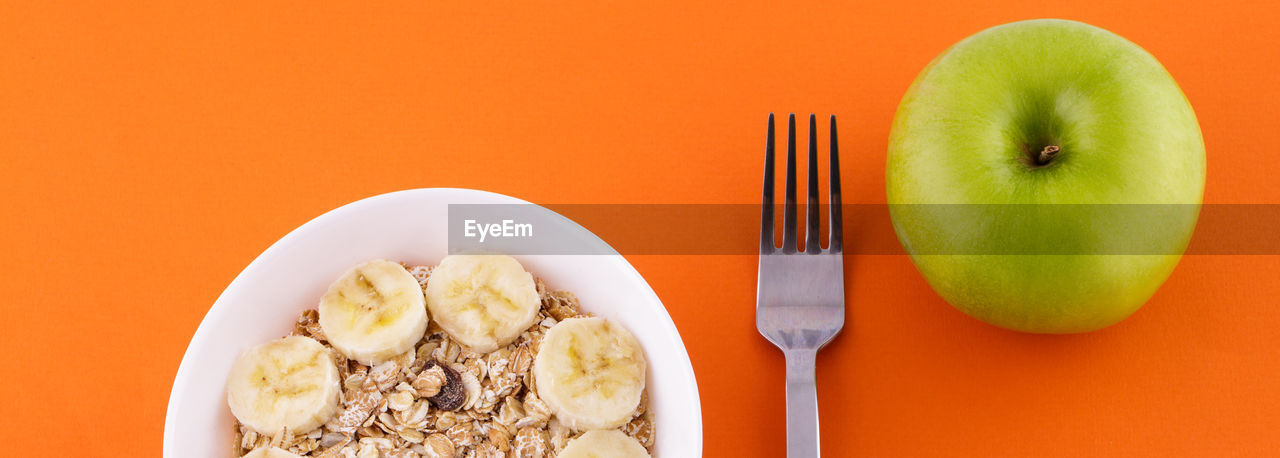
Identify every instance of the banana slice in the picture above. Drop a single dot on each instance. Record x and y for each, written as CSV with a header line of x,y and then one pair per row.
x,y
286,383
590,371
271,452
609,443
483,301
373,312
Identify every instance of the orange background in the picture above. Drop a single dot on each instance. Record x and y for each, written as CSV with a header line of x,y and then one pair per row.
x,y
151,151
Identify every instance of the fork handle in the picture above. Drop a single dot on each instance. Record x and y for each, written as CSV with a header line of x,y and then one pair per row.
x,y
802,404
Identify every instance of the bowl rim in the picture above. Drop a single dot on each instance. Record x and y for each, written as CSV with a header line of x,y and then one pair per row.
x,y
182,380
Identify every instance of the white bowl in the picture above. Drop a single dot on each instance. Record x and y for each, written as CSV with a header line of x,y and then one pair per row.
x,y
410,226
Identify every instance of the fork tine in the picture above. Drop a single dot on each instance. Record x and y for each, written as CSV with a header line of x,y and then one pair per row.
x,y
789,209
836,243
766,211
811,230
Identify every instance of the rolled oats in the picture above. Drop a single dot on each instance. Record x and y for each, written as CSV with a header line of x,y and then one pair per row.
x,y
334,439
308,324
438,446
485,450
471,387
368,450
412,436
428,382
536,412
530,443
400,400
510,412
359,406
500,438
641,428
446,420
399,453
385,374
416,416
462,435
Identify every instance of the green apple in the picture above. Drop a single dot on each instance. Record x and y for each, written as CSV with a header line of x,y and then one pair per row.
x,y
1045,176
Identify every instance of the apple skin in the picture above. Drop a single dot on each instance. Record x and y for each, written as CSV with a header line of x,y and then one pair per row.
x,y
968,131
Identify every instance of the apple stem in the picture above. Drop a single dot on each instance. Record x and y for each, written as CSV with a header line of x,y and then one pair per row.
x,y
1046,154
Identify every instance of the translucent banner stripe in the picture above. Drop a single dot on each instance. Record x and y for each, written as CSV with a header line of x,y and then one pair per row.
x,y
733,229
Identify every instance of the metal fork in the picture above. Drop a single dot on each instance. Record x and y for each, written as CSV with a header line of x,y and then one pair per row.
x,y
800,295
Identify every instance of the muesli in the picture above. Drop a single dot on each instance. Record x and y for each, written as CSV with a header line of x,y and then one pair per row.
x,y
471,358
